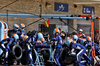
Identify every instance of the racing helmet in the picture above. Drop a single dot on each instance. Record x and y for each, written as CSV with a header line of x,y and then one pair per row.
x,y
56,30
15,36
40,36
75,37
68,42
88,38
80,30
16,27
82,41
22,26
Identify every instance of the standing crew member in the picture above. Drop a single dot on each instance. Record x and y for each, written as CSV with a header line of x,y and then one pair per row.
x,y
80,34
58,46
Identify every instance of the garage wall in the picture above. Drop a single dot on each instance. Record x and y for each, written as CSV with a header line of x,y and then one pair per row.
x,y
84,22
51,21
86,26
32,6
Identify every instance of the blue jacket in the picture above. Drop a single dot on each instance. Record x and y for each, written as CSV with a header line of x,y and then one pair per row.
x,y
74,45
34,38
89,43
23,31
95,45
11,32
58,39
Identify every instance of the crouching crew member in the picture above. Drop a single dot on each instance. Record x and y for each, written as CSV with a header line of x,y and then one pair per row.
x,y
5,45
88,43
73,45
27,46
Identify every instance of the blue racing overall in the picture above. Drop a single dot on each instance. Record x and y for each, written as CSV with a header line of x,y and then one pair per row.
x,y
5,46
82,51
97,50
58,48
28,44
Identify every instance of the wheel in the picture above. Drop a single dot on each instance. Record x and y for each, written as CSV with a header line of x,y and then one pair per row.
x,y
66,59
17,52
46,55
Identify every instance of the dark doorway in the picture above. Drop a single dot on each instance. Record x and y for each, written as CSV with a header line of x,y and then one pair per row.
x,y
49,29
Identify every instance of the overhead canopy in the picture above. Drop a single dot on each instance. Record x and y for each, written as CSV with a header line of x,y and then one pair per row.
x,y
54,16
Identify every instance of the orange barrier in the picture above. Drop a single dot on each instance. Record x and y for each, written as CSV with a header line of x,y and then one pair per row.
x,y
5,29
85,16
92,40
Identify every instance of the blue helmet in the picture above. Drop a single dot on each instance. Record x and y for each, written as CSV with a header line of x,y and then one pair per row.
x,y
82,41
16,27
56,30
40,37
75,37
68,42
22,25
15,36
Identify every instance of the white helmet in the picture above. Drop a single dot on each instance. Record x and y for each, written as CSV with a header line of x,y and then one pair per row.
x,y
80,30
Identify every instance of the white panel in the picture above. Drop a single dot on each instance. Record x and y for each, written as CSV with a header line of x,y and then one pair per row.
x,y
64,27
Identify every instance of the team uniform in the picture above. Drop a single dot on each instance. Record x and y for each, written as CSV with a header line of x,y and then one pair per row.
x,y
5,45
57,49
27,46
82,51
